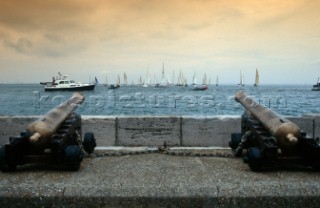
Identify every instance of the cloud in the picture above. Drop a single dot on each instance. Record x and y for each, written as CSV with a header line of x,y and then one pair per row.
x,y
37,14
22,45
129,34
46,28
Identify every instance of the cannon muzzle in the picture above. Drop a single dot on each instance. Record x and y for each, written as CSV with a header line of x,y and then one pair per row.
x,y
42,129
286,133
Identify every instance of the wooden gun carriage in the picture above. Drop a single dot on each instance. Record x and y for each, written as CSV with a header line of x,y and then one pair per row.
x,y
54,139
267,139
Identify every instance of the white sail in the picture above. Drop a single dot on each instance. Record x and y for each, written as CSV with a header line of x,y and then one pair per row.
x,y
147,83
180,79
125,80
241,83
257,79
140,81
118,80
194,79
164,80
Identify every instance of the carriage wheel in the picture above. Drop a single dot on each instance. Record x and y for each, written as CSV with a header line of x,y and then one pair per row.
x,y
89,142
254,159
72,157
4,165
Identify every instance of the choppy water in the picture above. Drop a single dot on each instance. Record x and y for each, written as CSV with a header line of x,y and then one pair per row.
x,y
31,99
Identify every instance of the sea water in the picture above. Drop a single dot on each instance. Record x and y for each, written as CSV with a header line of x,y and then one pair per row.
x,y
287,100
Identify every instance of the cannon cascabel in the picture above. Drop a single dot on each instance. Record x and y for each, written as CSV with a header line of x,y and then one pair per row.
x,y
43,128
286,132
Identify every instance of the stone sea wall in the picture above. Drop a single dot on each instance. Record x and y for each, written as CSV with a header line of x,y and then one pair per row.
x,y
153,131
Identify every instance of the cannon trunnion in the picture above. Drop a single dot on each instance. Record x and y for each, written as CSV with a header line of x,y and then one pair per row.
x,y
268,140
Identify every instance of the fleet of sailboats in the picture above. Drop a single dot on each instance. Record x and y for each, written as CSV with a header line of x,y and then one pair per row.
x,y
181,81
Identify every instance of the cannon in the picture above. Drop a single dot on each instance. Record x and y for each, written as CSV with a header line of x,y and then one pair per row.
x,y
268,139
54,139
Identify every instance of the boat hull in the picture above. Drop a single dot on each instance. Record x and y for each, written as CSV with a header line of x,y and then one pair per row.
x,y
200,88
316,87
112,87
75,88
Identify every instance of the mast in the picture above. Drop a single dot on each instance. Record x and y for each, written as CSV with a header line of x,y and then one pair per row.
x,y
173,78
155,80
194,79
204,81
180,79
148,78
163,77
106,81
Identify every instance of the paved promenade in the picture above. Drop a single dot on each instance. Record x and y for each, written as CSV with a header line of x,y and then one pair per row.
x,y
160,180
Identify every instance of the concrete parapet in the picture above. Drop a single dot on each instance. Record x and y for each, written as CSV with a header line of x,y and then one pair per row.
x,y
102,127
148,131
13,125
305,124
214,131
315,125
153,131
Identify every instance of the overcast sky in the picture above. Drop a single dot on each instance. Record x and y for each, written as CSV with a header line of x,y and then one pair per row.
x,y
104,38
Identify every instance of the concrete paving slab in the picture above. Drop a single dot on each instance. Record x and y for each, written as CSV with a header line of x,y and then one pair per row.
x,y
159,180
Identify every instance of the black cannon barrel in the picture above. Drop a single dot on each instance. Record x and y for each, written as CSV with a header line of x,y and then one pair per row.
x,y
286,132
42,129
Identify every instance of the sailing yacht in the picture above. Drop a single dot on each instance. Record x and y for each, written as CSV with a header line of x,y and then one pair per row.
x,y
164,80
241,83
316,87
106,82
117,85
217,81
180,79
147,83
257,80
140,82
204,85
125,79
